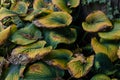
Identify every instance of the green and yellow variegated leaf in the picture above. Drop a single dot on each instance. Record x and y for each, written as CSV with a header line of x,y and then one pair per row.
x,y
6,13
79,67
42,71
13,29
66,5
54,20
32,15
39,4
4,34
62,4
13,73
59,57
96,21
100,77
40,7
113,34
61,63
20,7
43,4
110,49
29,53
22,70
102,63
35,13
18,21
26,35
73,3
62,35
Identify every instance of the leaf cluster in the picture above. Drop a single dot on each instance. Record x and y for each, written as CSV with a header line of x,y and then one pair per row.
x,y
39,40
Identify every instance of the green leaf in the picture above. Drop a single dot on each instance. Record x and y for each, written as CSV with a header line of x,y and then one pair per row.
x,y
113,34
43,4
20,7
36,13
4,34
22,70
13,29
80,66
18,21
96,21
66,5
102,63
59,57
13,73
1,26
54,37
118,52
108,48
32,15
54,20
100,77
62,4
39,4
42,71
26,35
6,13
74,3
29,53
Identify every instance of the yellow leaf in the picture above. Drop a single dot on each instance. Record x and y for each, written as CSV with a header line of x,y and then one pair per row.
x,y
4,35
96,21
54,20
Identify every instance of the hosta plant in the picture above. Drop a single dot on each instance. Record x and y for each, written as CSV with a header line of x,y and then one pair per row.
x,y
41,40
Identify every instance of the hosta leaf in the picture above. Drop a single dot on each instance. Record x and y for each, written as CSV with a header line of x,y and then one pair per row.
x,y
96,21
59,57
18,21
42,71
62,4
2,63
20,7
35,13
13,29
108,48
66,5
38,4
43,4
100,77
54,20
4,34
13,73
102,63
29,53
73,3
63,35
26,35
113,34
80,68
6,13
22,70
31,15
61,63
